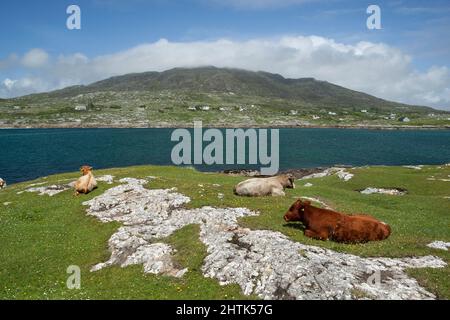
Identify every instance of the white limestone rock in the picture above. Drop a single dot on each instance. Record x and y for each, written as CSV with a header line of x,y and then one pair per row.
x,y
341,173
391,192
439,245
270,265
344,175
106,178
49,190
419,167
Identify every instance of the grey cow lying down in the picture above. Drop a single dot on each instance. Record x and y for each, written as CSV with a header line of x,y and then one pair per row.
x,y
259,187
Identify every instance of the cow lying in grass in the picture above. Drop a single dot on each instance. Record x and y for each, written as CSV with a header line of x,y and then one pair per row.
x,y
86,183
2,183
258,187
326,224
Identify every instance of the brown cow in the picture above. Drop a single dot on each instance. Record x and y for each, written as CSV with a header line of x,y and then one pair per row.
x,y
327,224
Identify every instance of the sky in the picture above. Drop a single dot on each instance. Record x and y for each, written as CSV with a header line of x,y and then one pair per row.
x,y
407,60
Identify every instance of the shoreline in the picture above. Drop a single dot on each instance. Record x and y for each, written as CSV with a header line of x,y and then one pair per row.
x,y
222,126
297,172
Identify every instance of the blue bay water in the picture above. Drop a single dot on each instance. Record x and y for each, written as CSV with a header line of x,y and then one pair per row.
x,y
31,153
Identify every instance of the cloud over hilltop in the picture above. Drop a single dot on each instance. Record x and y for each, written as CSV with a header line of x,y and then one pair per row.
x,y
374,68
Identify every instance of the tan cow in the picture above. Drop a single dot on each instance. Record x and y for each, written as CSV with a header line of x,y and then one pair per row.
x,y
259,187
85,183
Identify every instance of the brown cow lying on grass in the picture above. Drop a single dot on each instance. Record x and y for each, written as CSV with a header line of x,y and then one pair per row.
x,y
85,183
259,187
326,224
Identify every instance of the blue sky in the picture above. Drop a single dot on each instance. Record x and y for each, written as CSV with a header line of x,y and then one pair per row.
x,y
414,37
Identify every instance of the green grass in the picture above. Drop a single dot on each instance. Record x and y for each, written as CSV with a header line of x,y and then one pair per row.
x,y
41,236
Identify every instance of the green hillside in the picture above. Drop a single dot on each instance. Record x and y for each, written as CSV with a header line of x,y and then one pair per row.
x,y
219,96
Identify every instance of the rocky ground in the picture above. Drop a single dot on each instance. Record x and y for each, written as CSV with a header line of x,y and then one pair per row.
x,y
262,262
139,237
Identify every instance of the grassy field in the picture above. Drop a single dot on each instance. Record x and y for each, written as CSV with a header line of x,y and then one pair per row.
x,y
41,236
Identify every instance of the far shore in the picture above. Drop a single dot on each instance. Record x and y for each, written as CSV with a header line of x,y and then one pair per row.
x,y
224,126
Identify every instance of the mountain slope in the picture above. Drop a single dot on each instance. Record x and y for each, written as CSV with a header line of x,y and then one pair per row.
x,y
240,82
219,97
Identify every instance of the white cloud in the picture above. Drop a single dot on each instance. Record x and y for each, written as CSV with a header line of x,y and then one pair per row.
x,y
375,68
9,84
23,85
35,58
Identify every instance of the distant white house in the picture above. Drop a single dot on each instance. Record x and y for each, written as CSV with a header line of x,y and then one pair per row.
x,y
80,108
206,108
192,108
315,117
17,108
404,119
293,112
364,111
332,113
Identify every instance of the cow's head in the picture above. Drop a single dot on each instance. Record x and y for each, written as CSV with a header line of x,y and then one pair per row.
x,y
296,211
289,181
85,170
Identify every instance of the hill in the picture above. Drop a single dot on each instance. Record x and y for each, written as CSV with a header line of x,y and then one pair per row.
x,y
239,82
250,98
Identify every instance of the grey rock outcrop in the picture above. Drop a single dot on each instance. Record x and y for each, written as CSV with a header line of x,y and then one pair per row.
x,y
391,192
442,245
340,172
